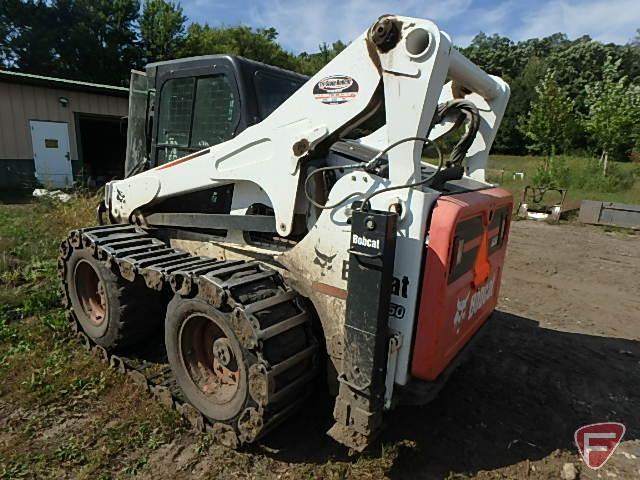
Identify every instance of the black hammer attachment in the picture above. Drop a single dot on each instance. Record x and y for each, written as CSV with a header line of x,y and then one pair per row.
x,y
359,405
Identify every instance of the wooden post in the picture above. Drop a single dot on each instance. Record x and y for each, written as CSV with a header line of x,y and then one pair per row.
x,y
606,162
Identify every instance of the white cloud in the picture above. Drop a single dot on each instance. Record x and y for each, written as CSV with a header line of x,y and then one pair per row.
x,y
483,19
304,25
604,20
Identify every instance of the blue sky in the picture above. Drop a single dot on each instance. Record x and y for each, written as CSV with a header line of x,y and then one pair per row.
x,y
304,24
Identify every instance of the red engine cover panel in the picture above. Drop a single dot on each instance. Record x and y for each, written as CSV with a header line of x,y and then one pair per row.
x,y
464,259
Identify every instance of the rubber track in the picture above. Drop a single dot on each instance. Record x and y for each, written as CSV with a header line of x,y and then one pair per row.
x,y
276,390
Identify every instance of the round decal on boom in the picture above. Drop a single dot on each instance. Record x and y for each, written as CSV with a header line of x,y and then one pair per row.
x,y
335,90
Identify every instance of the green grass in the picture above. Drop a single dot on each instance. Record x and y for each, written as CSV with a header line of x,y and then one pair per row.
x,y
528,164
46,378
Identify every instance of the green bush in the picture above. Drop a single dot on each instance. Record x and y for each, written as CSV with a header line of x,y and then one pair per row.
x,y
588,175
553,172
591,177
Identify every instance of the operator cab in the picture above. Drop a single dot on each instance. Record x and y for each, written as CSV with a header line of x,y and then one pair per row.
x,y
178,107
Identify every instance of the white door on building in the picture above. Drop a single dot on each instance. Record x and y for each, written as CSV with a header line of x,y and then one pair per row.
x,y
51,153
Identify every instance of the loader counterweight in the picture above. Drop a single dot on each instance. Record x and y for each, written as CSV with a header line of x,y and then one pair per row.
x,y
463,229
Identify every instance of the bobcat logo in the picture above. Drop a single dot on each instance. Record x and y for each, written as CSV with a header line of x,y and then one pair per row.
x,y
467,307
324,261
120,196
461,310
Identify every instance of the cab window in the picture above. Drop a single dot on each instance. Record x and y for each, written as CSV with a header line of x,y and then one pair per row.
x,y
214,116
273,90
195,113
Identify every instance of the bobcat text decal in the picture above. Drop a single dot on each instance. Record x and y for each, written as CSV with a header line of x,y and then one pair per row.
x,y
399,286
468,305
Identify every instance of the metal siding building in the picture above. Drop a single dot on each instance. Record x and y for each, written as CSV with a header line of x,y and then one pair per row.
x,y
49,126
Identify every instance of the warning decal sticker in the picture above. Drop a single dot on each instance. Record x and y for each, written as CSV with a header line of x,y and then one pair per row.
x,y
335,90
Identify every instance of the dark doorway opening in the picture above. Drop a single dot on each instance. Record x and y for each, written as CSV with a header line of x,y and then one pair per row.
x,y
102,147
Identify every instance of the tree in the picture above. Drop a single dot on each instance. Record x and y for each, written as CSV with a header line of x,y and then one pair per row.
x,y
27,36
495,54
576,63
549,121
580,64
542,47
522,65
613,111
257,44
101,40
310,63
92,40
162,29
7,29
100,43
510,138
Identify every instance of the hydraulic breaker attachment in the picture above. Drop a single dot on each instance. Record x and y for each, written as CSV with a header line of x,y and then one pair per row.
x,y
360,403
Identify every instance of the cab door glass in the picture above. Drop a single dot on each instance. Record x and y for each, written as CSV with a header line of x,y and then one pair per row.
x,y
174,121
215,113
195,113
136,122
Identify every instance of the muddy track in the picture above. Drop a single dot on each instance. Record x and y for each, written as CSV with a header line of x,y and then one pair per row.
x,y
267,317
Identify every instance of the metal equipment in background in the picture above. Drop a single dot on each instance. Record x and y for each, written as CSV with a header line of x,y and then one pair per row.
x,y
542,203
623,215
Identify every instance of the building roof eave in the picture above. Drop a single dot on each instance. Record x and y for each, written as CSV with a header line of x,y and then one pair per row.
x,y
52,82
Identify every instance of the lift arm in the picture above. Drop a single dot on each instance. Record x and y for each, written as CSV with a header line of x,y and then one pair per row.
x,y
401,61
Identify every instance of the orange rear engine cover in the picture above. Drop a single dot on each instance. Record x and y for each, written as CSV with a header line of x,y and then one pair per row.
x,y
461,281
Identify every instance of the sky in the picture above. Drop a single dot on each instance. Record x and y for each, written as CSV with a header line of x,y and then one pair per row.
x,y
303,25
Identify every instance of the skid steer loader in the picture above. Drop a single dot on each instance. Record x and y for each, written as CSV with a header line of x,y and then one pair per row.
x,y
285,228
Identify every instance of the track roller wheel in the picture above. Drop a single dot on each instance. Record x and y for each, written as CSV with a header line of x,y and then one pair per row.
x,y
206,358
244,388
114,313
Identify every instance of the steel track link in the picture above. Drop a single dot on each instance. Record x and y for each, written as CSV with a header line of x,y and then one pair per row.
x,y
276,389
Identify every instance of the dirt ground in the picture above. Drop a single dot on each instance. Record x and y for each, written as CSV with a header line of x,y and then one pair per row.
x,y
562,351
